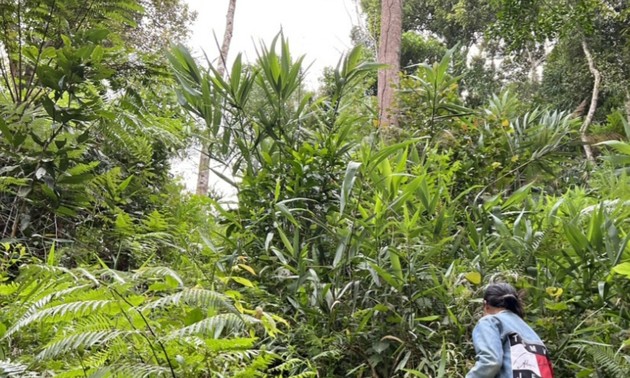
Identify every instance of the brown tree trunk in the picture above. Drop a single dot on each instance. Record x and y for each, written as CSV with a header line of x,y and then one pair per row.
x,y
203,175
597,78
389,54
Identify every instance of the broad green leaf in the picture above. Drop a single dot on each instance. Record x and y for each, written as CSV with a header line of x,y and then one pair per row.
x,y
243,281
287,244
620,146
394,260
50,260
287,213
386,276
248,268
193,316
518,196
623,269
348,183
430,318
473,277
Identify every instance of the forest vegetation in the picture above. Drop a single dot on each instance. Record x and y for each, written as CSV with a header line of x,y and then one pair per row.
x,y
355,247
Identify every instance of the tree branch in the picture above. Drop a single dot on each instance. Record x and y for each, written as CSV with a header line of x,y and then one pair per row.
x,y
591,110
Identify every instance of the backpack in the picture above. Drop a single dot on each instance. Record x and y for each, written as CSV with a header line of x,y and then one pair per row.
x,y
529,360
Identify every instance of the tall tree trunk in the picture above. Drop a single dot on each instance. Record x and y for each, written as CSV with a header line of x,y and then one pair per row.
x,y
597,78
627,103
389,54
203,175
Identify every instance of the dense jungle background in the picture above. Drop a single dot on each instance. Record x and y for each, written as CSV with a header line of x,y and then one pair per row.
x,y
350,244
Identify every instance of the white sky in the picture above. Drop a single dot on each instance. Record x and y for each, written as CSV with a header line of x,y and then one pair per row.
x,y
318,29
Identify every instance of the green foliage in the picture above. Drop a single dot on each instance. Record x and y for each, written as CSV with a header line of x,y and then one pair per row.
x,y
104,322
79,145
372,245
455,21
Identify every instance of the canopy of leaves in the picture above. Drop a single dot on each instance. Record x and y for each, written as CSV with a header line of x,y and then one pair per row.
x,y
350,250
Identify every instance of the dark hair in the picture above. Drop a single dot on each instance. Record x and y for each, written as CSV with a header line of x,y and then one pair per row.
x,y
504,296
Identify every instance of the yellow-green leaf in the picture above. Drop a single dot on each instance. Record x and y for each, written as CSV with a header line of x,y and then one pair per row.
x,y
431,318
474,277
554,291
243,281
248,268
623,269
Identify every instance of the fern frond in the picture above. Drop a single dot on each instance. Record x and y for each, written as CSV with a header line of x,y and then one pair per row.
x,y
38,269
237,357
214,325
158,271
234,344
289,365
77,372
115,275
97,322
137,370
256,367
607,360
65,311
80,340
91,293
155,222
199,297
43,302
290,368
7,182
100,358
10,369
304,374
89,276
8,289
81,169
194,341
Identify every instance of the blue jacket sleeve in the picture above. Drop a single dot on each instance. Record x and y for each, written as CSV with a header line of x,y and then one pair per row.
x,y
489,349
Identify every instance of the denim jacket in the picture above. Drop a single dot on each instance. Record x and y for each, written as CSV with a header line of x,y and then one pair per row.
x,y
495,336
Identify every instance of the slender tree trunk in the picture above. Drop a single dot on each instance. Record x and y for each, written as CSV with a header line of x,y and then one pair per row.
x,y
627,103
203,175
227,37
389,54
597,78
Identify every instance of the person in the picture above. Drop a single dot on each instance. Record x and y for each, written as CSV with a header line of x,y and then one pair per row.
x,y
506,346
